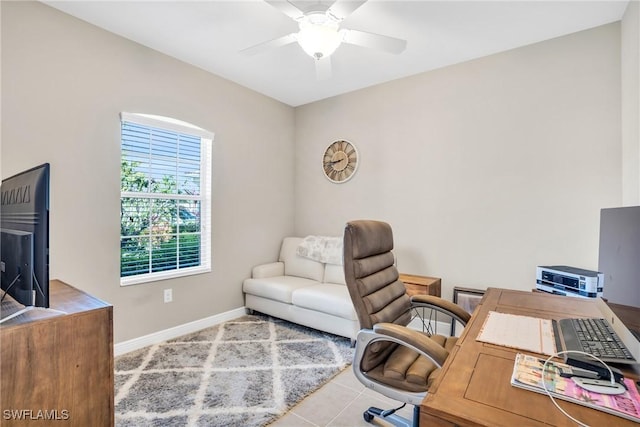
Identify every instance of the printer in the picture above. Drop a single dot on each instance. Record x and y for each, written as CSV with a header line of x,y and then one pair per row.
x,y
569,281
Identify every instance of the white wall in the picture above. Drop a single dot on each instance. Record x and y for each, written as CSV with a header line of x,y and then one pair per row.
x,y
630,64
484,169
64,84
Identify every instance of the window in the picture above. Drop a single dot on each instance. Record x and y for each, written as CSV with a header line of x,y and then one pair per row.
x,y
165,199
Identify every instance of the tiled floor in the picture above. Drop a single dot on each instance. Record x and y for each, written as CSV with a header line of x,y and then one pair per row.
x,y
339,403
342,401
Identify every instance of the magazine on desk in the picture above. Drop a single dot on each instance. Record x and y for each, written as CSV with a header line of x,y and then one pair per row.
x,y
527,374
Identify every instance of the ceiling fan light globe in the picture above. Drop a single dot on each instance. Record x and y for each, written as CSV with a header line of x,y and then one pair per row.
x,y
319,40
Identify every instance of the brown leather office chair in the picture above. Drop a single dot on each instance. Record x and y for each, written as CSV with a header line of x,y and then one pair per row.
x,y
390,358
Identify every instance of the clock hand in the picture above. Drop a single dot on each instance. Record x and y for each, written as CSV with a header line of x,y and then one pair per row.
x,y
333,162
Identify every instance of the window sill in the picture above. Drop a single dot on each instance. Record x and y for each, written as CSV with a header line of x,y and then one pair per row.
x,y
155,277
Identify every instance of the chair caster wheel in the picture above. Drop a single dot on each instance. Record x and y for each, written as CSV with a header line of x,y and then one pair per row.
x,y
367,417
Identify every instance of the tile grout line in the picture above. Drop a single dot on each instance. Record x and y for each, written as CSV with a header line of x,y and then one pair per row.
x,y
358,394
346,406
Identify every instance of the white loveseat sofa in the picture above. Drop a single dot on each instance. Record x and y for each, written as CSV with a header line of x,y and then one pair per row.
x,y
303,290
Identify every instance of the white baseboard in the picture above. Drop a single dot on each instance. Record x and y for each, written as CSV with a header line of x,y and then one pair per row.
x,y
442,328
167,334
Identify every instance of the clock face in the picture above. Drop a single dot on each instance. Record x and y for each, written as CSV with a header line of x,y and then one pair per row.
x,y
340,161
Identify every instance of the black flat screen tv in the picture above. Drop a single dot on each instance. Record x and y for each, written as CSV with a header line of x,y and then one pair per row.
x,y
24,245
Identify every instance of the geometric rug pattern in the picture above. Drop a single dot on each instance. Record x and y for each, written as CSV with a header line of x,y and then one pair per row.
x,y
246,372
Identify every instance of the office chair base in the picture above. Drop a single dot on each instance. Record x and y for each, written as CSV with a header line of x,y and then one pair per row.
x,y
390,416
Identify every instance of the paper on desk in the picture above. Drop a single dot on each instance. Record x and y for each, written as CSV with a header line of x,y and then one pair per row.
x,y
521,332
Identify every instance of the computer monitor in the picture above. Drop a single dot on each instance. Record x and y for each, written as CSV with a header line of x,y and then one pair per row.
x,y
619,254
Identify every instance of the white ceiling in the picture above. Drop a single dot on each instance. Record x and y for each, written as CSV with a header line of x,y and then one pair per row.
x,y
210,34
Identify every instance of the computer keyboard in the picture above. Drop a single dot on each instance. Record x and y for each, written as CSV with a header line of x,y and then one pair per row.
x,y
598,338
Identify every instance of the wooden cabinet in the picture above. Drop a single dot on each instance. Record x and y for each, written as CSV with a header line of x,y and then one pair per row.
x,y
421,285
58,368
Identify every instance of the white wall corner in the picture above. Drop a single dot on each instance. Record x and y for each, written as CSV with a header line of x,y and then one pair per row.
x,y
630,100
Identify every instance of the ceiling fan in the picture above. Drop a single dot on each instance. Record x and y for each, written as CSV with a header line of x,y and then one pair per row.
x,y
320,33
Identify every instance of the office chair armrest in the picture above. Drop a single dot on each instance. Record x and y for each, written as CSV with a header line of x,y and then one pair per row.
x,y
441,305
419,341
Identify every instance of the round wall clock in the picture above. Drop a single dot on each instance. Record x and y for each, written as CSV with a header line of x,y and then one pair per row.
x,y
340,161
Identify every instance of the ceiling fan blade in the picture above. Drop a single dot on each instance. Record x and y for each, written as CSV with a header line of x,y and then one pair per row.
x,y
343,8
375,41
323,68
271,44
287,8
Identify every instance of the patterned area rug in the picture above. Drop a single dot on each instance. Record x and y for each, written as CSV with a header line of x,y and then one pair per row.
x,y
245,372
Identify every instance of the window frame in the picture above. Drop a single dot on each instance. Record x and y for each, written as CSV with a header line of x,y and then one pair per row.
x,y
206,145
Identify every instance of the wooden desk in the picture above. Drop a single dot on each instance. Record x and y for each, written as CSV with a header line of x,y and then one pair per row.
x,y
58,368
474,387
630,316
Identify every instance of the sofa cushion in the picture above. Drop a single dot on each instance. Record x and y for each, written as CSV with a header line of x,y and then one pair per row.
x,y
327,298
296,265
279,288
334,274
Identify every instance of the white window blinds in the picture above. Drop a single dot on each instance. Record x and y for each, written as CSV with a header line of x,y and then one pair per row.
x,y
165,199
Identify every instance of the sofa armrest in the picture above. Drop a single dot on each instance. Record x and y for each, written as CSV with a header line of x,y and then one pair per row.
x,y
268,270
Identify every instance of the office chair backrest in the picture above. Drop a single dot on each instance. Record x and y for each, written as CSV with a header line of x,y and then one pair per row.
x,y
372,279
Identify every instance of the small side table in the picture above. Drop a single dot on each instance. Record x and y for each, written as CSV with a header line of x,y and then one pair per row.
x,y
422,285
